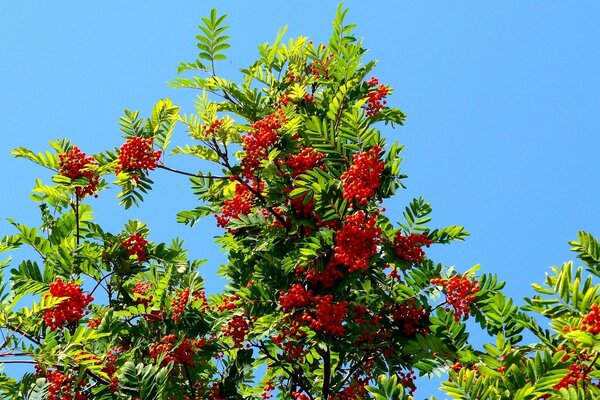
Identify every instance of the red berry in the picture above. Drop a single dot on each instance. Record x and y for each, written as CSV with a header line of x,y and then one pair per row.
x,y
75,165
361,181
69,310
137,154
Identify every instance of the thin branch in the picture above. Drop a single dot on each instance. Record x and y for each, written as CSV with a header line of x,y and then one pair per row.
x,y
326,373
12,354
77,228
19,362
177,171
24,334
189,378
100,282
261,346
277,216
588,369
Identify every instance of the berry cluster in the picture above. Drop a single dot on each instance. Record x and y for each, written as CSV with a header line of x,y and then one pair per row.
x,y
229,303
237,329
375,99
68,310
263,134
94,323
302,209
183,353
110,368
178,304
136,247
266,393
369,324
577,372
407,379
330,274
61,386
460,293
357,241
410,318
75,165
137,154
327,316
141,289
212,128
409,248
321,68
361,181
305,160
354,391
289,338
296,297
240,204
591,322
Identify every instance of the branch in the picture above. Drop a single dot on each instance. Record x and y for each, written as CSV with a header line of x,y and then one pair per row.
x,y
100,282
326,373
19,362
177,171
301,382
189,378
277,216
24,334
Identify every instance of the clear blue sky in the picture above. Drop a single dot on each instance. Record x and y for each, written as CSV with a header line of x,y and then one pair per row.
x,y
502,98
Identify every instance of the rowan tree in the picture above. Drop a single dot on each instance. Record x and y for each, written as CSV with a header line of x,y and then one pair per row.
x,y
326,296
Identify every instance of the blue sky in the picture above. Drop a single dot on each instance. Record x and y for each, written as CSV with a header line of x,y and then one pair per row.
x,y
502,101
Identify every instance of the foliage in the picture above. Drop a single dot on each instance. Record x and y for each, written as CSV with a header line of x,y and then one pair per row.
x,y
326,296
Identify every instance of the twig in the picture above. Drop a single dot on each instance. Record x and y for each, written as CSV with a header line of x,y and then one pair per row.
x,y
177,171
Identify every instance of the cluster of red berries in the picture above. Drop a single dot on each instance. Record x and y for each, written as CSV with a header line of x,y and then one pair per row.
x,y
237,329
266,393
137,154
460,293
306,160
409,248
321,68
375,99
75,165
577,372
289,339
212,128
229,303
357,241
299,396
263,134
141,289
302,209
178,304
136,247
591,322
110,368
71,309
331,273
94,323
369,323
410,318
183,353
361,181
61,386
296,297
240,204
291,76
407,379
327,316
354,391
